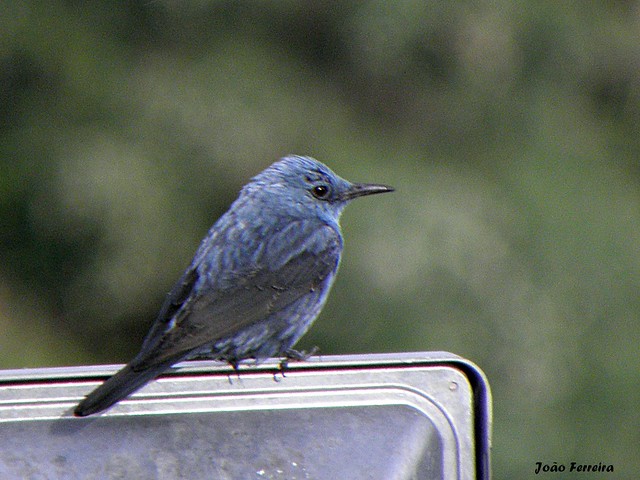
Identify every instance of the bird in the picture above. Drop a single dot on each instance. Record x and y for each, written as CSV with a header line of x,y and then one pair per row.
x,y
258,280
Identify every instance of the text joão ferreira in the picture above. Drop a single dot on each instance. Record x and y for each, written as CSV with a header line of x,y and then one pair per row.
x,y
576,467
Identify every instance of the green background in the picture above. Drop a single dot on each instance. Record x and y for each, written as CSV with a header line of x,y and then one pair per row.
x,y
509,129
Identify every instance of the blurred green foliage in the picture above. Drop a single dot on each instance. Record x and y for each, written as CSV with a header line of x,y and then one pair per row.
x,y
510,130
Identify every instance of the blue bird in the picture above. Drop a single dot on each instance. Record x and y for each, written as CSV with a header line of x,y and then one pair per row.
x,y
258,280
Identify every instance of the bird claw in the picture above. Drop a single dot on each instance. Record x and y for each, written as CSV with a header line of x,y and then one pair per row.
x,y
295,355
300,356
235,364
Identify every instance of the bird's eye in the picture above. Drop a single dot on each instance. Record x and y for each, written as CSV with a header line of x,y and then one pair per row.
x,y
320,191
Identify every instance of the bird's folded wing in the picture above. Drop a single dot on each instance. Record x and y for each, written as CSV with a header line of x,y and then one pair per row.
x,y
190,319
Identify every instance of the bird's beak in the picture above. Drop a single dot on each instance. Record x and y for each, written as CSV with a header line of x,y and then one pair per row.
x,y
362,189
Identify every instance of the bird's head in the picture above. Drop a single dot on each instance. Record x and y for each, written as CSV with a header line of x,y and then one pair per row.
x,y
302,184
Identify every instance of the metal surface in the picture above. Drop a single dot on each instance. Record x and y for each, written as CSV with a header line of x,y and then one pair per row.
x,y
395,416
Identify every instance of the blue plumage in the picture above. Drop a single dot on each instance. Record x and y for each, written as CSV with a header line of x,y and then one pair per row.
x,y
258,280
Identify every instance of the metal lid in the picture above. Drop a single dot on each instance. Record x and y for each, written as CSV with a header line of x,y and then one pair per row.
x,y
389,416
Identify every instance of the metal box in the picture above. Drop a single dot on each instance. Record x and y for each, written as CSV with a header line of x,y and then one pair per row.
x,y
389,416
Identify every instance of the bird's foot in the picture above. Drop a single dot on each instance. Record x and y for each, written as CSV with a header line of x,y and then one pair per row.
x,y
300,356
295,355
233,363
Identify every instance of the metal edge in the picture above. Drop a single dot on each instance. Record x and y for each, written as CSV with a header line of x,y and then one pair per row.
x,y
477,380
483,414
198,366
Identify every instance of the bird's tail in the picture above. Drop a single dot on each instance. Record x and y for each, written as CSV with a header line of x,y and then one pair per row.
x,y
120,386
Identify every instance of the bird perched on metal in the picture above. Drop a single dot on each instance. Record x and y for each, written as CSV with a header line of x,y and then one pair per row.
x,y
258,280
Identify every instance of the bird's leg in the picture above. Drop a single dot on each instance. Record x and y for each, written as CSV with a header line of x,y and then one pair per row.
x,y
300,356
209,355
235,364
295,355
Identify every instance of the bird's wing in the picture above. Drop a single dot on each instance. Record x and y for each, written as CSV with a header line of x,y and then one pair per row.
x,y
292,265
175,300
